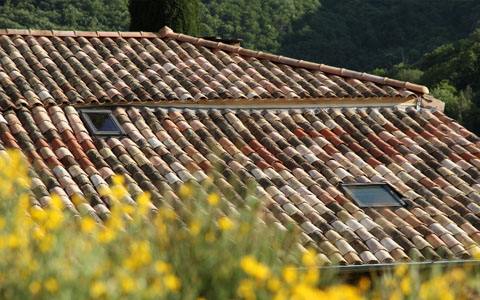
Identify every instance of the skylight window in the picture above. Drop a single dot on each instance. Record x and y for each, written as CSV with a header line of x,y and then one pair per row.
x,y
372,194
101,122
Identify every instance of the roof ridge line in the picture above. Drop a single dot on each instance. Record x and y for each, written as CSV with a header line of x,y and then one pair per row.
x,y
168,32
79,33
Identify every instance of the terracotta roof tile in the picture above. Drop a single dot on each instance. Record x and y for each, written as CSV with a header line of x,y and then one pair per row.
x,y
76,67
273,138
295,157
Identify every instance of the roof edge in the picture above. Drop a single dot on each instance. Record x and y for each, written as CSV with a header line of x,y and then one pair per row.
x,y
382,268
274,103
427,101
79,33
166,32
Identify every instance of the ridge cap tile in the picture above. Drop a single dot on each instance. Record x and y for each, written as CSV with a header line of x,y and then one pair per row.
x,y
64,33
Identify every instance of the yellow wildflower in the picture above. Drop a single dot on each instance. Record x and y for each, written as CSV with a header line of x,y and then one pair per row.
x,y
128,284
2,223
208,181
77,199
475,253
309,258
261,272
157,287
172,282
38,214
166,213
38,234
274,284
303,291
343,291
364,284
34,266
118,192
225,223
289,274
35,287
88,224
253,268
396,295
104,191
115,222
127,208
457,275
140,254
130,263
162,267
246,289
23,182
51,285
185,191
7,188
47,243
312,276
406,285
209,237
143,201
55,219
118,179
391,282
13,241
98,289
195,227
213,199
282,295
106,235
401,269
23,202
161,227
247,263
56,202
143,198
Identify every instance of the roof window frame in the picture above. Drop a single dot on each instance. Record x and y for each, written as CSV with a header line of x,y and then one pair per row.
x,y
398,198
84,114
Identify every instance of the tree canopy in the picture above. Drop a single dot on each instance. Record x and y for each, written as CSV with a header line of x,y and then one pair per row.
x,y
364,35
65,14
151,15
452,71
262,24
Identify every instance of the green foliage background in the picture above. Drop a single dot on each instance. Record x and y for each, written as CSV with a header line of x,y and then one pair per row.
x,y
65,14
262,24
151,15
423,41
452,71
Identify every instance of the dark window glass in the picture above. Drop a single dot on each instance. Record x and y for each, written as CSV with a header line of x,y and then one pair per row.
x,y
103,122
373,195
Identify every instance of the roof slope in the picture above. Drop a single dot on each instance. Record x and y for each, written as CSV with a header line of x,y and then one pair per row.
x,y
296,157
58,67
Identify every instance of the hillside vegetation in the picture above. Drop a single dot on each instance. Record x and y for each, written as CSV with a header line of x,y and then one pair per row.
x,y
452,72
65,14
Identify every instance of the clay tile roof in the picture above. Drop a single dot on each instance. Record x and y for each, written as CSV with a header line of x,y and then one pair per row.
x,y
103,68
296,155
